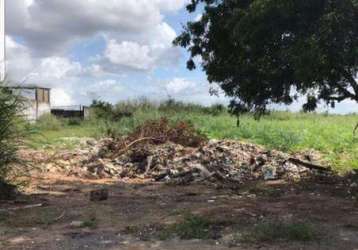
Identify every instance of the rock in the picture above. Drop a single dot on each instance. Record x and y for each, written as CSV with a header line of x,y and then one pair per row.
x,y
354,185
7,191
99,195
77,224
224,163
91,142
63,164
270,173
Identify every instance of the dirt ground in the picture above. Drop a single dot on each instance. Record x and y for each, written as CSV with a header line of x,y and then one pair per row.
x,y
138,215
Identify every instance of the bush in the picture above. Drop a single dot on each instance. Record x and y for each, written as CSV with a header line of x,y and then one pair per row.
x,y
101,110
74,121
49,122
10,108
275,230
105,111
132,106
162,130
215,110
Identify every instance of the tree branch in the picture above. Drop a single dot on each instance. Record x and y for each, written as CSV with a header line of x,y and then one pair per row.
x,y
352,82
346,93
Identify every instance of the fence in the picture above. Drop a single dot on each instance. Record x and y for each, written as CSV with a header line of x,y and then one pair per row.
x,y
75,111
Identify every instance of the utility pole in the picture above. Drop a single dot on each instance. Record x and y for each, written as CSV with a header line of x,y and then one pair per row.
x,y
2,41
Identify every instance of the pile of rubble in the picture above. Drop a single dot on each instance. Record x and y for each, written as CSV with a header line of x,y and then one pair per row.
x,y
226,162
177,154
216,161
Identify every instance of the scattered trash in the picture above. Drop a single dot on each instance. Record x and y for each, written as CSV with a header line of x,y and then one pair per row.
x,y
179,155
226,163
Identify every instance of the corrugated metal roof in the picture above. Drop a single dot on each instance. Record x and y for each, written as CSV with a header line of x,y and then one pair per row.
x,y
26,86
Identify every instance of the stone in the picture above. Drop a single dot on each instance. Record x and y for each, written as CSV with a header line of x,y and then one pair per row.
x,y
99,195
91,142
270,173
77,224
7,191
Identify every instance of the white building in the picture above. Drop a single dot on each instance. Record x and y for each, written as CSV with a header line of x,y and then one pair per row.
x,y
37,100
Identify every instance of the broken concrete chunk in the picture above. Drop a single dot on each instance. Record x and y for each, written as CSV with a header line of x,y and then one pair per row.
x,y
217,162
270,173
77,224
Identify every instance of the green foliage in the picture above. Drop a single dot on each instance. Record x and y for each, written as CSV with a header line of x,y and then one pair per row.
x,y
293,132
10,107
275,231
49,122
101,110
271,51
74,121
91,222
105,111
192,227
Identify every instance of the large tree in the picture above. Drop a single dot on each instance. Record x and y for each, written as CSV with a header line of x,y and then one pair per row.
x,y
273,51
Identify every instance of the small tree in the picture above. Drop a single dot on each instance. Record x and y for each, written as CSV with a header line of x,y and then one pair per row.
x,y
273,51
101,110
10,108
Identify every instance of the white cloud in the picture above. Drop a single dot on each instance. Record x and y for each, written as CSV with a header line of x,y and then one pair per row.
x,y
198,17
109,90
170,5
179,85
22,67
19,60
129,54
60,97
57,68
49,26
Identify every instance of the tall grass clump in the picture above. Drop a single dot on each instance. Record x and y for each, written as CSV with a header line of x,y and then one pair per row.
x,y
49,122
10,108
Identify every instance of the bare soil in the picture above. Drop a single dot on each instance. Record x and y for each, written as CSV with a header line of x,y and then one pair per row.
x,y
137,211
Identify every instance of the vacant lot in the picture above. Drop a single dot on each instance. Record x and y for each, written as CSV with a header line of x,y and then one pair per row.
x,y
141,215
331,135
165,186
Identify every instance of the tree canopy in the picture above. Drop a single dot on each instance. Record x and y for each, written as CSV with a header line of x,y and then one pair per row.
x,y
262,52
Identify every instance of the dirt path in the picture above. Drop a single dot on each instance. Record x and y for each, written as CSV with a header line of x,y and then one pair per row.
x,y
141,215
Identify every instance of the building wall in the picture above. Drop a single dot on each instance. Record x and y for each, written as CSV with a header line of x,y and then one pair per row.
x,y
33,111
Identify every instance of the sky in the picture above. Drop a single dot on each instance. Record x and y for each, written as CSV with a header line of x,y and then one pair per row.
x,y
111,50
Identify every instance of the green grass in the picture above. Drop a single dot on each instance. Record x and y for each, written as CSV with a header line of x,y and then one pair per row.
x,y
191,227
291,132
278,231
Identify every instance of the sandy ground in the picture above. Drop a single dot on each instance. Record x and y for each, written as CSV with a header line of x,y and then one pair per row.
x,y
136,210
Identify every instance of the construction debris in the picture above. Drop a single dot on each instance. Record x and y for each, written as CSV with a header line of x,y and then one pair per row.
x,y
178,154
226,163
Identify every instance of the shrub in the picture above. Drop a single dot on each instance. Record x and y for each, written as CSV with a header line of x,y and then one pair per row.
x,y
74,121
132,106
49,122
193,227
274,231
162,130
215,110
10,108
101,110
